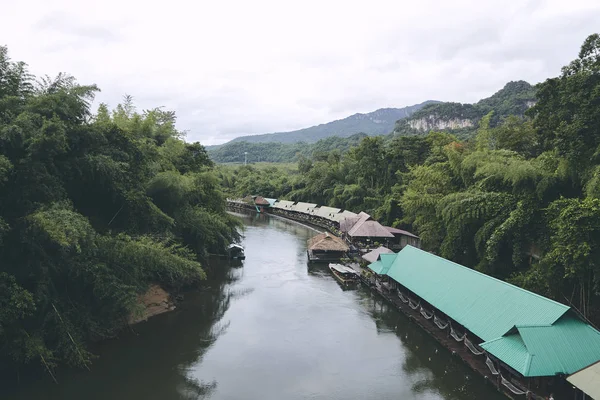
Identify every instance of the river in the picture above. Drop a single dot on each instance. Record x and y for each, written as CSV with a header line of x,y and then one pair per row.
x,y
271,329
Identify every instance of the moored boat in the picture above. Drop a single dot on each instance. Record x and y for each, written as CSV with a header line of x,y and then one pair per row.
x,y
344,275
236,252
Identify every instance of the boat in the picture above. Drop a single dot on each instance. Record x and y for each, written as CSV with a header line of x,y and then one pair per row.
x,y
236,252
344,275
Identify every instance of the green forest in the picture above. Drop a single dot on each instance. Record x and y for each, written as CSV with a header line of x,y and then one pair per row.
x,y
94,207
280,152
97,204
520,200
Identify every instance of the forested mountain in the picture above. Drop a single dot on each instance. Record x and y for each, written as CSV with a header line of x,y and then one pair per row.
x,y
519,201
461,119
513,99
93,209
234,152
378,122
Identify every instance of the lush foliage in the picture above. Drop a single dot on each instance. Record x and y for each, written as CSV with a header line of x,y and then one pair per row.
x,y
520,201
93,209
512,100
234,152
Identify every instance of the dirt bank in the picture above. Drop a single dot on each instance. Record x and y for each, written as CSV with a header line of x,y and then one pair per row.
x,y
155,301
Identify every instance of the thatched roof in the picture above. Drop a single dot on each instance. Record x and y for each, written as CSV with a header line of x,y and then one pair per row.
x,y
327,242
374,254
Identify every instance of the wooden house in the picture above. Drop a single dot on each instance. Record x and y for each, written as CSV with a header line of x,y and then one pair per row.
x,y
403,238
326,247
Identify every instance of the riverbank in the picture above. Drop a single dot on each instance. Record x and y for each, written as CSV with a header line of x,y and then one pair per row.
x,y
154,301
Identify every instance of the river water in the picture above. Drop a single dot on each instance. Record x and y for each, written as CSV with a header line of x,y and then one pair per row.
x,y
273,328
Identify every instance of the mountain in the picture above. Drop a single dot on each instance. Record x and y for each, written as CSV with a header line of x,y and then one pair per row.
x,y
513,99
460,119
237,152
379,122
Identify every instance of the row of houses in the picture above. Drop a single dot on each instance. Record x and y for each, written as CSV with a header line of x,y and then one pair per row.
x,y
529,344
359,229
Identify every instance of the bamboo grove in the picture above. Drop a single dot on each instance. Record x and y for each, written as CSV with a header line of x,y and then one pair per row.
x,y
94,207
520,200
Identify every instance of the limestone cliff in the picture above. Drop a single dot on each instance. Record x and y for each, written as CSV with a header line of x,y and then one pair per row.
x,y
433,122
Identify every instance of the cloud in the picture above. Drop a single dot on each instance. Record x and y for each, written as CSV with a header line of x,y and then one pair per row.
x,y
234,67
62,23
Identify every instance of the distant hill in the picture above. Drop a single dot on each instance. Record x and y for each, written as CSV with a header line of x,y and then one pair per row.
x,y
379,122
460,119
513,99
233,152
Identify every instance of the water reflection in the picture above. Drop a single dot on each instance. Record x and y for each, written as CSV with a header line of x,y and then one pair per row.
x,y
431,367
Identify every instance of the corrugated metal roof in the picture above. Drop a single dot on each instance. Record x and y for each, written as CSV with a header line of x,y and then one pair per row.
x,y
486,306
397,231
347,224
284,204
344,215
350,220
271,201
561,348
304,208
369,229
376,267
387,260
326,212
261,201
373,255
588,380
383,264
511,350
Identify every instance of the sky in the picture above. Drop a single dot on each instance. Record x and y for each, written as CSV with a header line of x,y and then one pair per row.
x,y
237,67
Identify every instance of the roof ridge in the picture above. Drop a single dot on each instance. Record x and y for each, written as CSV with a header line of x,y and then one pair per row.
x,y
490,277
535,326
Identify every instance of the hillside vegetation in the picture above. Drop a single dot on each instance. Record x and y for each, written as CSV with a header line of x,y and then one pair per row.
x,y
93,210
378,122
512,100
234,152
519,201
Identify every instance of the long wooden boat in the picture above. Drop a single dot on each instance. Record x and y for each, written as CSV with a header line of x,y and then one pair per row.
x,y
344,275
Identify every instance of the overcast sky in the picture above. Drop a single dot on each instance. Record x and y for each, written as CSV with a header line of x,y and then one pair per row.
x,y
230,68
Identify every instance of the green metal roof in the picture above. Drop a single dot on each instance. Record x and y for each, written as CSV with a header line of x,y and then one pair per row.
x,y
564,347
376,267
486,306
383,263
511,350
387,259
